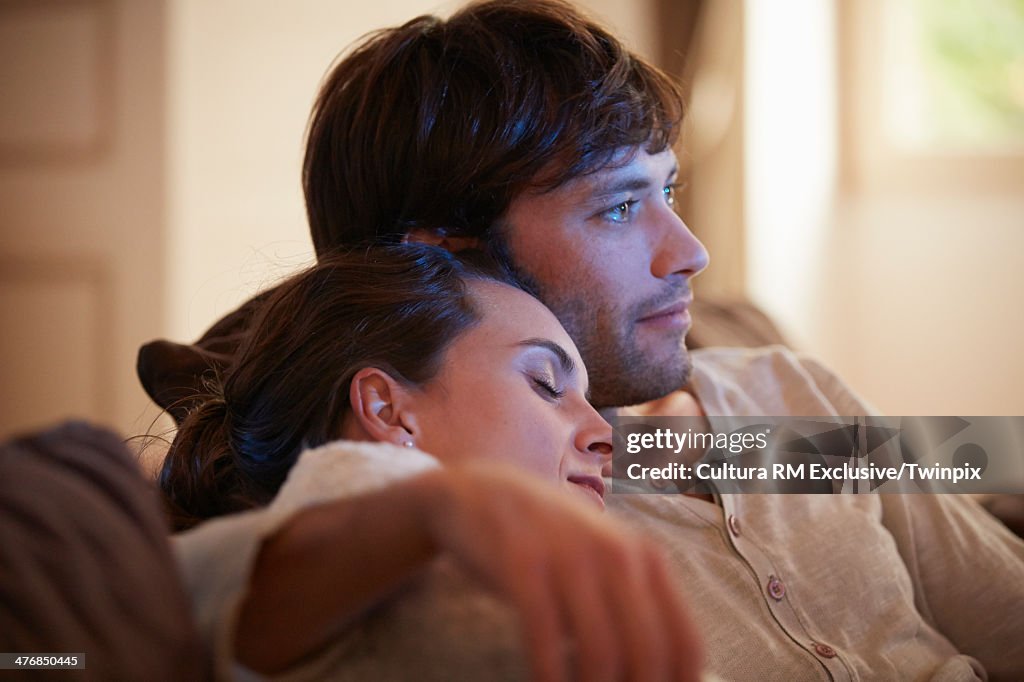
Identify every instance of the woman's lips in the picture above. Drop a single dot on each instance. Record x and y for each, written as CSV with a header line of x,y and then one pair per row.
x,y
591,486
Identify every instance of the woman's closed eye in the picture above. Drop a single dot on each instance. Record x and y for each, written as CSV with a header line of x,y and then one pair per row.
x,y
547,387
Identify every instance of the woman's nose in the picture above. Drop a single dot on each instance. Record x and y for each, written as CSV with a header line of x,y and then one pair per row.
x,y
595,437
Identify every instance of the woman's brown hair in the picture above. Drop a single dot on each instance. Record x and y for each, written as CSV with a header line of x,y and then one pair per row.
x,y
393,307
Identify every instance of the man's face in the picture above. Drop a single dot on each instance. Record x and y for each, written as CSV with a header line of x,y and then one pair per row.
x,y
610,256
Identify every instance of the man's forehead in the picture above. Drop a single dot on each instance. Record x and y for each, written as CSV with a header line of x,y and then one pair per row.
x,y
631,169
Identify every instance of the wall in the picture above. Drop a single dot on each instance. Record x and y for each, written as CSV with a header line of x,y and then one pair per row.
x,y
910,292
82,228
243,77
919,303
149,173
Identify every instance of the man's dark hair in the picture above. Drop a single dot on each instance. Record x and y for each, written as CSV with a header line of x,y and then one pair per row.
x,y
440,124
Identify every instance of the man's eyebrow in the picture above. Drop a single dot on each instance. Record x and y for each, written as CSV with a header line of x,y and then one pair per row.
x,y
628,183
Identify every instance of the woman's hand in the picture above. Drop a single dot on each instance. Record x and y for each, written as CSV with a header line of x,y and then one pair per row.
x,y
573,574
580,583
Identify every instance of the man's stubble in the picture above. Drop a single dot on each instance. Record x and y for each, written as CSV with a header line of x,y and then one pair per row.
x,y
620,372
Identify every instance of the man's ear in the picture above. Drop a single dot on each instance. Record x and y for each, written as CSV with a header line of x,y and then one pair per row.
x,y
382,407
440,237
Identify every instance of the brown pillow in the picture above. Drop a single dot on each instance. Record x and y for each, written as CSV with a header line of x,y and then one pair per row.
x,y
86,564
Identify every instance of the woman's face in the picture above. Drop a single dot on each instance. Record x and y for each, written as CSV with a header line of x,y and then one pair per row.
x,y
514,388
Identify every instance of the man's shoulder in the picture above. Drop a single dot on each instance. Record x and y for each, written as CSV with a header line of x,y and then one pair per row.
x,y
725,362
769,380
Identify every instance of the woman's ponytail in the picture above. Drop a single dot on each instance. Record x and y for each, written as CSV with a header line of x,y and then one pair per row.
x,y
200,477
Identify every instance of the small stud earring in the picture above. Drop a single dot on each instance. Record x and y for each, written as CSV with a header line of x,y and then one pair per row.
x,y
407,443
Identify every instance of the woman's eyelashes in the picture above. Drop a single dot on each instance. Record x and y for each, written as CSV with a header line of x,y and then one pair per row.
x,y
546,386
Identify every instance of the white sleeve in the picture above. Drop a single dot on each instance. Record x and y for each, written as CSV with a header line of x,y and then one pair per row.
x,y
216,558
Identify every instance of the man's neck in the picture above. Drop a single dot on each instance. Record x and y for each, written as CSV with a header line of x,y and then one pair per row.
x,y
679,403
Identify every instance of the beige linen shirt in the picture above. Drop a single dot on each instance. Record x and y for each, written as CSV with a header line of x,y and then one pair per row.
x,y
834,587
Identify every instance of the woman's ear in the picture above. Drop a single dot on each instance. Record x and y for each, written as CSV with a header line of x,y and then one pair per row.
x,y
440,237
382,407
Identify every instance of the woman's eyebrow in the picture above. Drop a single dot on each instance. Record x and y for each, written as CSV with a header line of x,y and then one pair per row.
x,y
568,366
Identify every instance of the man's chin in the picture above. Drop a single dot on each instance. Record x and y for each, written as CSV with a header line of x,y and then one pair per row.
x,y
641,380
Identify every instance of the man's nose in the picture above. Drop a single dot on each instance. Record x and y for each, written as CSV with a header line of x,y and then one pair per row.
x,y
678,251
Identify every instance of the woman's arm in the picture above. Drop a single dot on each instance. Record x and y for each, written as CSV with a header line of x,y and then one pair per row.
x,y
571,573
327,565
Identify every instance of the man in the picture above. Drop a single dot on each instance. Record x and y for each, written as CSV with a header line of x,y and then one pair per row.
x,y
525,130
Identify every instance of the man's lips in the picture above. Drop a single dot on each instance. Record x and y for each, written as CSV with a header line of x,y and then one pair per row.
x,y
672,315
591,485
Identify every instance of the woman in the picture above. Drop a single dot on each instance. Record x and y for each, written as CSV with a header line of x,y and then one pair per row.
x,y
404,345
403,351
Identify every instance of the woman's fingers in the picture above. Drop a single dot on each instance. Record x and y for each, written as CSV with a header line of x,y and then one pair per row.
x,y
579,583
621,611
632,609
543,634
590,627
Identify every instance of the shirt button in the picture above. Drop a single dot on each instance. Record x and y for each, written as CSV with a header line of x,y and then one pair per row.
x,y
775,588
824,650
734,525
660,484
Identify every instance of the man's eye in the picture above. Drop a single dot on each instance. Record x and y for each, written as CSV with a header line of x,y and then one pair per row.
x,y
622,212
671,192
